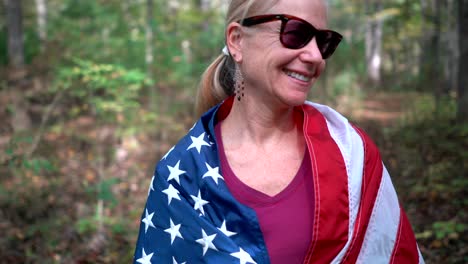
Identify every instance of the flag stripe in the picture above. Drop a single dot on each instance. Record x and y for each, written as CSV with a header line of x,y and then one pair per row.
x,y
382,231
354,150
351,147
406,249
330,232
372,176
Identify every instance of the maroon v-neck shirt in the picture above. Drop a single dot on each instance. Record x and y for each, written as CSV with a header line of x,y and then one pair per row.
x,y
286,219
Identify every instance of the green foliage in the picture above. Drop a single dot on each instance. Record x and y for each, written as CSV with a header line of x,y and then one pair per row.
x,y
86,225
108,33
97,56
344,83
439,145
31,44
39,165
433,161
16,144
108,91
187,42
448,229
103,190
3,47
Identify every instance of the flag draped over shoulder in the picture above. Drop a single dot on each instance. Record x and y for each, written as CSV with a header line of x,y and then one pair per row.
x,y
191,217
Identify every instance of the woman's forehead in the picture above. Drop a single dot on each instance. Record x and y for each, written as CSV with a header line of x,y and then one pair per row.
x,y
313,11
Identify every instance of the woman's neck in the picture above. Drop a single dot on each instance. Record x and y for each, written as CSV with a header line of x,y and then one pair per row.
x,y
260,124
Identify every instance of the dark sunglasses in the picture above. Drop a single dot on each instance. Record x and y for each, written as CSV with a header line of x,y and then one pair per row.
x,y
296,33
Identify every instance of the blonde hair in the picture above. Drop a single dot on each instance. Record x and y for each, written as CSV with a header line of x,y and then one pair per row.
x,y
217,83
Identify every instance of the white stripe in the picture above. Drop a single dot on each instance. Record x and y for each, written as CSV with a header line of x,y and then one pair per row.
x,y
352,149
421,259
355,173
381,233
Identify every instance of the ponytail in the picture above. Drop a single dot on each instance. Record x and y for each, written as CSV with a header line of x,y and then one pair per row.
x,y
216,84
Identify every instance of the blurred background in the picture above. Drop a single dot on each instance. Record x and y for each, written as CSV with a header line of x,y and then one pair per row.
x,y
94,92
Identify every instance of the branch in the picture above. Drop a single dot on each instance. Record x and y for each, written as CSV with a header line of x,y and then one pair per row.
x,y
45,118
38,136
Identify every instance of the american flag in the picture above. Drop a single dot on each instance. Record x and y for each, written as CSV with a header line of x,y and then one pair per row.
x,y
191,217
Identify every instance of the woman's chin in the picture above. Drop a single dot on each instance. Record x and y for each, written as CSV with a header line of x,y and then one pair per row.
x,y
294,100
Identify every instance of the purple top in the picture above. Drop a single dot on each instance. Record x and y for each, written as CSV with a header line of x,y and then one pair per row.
x,y
285,219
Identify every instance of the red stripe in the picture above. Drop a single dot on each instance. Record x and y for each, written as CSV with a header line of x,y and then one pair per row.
x,y
330,230
405,250
372,177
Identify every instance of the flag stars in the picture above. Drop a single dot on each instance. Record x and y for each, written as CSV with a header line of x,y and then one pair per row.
x,y
223,229
148,220
243,257
213,173
175,172
198,142
199,202
172,193
174,231
207,242
145,259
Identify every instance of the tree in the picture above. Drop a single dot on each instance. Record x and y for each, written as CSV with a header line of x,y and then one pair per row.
x,y
374,27
20,119
15,33
41,9
463,61
149,37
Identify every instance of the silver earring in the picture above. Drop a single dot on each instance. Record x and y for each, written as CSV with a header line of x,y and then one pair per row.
x,y
239,84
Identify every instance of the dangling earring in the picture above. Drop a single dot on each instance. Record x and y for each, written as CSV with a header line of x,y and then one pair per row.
x,y
239,84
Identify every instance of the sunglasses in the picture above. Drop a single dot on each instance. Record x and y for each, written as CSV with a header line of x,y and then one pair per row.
x,y
296,33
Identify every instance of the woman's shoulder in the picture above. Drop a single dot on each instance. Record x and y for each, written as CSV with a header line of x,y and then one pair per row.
x,y
193,150
346,133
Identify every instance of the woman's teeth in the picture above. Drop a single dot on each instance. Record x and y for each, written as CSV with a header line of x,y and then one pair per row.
x,y
298,76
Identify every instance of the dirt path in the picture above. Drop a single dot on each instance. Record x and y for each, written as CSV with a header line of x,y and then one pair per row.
x,y
383,109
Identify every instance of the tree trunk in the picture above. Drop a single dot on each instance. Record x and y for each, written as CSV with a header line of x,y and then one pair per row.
x,y
149,37
41,9
462,113
435,75
20,119
15,33
451,42
374,42
156,103
431,62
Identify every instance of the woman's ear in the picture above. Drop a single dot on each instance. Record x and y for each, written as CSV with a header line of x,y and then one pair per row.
x,y
234,41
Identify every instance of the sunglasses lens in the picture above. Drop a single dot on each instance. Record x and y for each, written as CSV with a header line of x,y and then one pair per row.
x,y
296,34
327,41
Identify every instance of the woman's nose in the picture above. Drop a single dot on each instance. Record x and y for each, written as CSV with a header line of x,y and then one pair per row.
x,y
311,52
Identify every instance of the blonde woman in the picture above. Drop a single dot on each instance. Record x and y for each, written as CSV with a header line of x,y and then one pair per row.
x,y
265,176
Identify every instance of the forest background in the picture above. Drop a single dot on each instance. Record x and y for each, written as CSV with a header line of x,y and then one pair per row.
x,y
94,92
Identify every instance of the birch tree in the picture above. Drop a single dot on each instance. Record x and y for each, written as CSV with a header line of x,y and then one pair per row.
x,y
41,10
374,29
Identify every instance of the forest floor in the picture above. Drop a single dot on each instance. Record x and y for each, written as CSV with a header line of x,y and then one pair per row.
x,y
429,198
79,198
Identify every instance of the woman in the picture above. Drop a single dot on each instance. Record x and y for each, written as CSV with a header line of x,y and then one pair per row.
x,y
264,176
